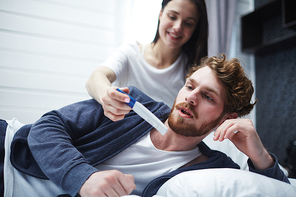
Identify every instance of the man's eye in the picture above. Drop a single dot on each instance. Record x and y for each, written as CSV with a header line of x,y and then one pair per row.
x,y
189,88
208,97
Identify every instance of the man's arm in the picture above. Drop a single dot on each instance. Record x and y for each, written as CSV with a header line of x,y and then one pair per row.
x,y
56,139
51,143
242,133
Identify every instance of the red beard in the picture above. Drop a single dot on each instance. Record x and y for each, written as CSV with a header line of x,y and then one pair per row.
x,y
179,126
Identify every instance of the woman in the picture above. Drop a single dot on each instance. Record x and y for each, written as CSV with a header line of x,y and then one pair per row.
x,y
159,68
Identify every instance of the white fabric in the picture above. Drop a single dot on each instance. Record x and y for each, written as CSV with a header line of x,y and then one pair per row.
x,y
225,183
292,181
170,191
131,68
17,184
146,162
230,150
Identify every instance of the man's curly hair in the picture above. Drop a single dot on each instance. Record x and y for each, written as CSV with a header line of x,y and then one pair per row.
x,y
239,88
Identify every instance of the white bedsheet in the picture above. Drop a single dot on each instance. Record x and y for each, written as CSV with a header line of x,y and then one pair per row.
x,y
18,184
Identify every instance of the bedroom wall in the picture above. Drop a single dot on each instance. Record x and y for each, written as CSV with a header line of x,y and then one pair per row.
x,y
276,90
49,48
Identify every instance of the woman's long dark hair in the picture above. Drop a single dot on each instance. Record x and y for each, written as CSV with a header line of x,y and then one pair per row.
x,y
197,46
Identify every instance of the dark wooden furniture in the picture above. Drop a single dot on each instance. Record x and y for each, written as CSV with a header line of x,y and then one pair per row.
x,y
278,13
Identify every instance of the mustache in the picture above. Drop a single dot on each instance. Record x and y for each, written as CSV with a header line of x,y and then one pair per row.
x,y
188,106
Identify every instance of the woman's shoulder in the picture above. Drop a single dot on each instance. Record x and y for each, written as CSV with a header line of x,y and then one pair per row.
x,y
127,50
130,48
140,46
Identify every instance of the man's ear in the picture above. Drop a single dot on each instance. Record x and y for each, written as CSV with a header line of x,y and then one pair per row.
x,y
232,115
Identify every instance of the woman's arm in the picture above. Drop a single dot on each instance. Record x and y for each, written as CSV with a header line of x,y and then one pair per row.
x,y
99,82
113,102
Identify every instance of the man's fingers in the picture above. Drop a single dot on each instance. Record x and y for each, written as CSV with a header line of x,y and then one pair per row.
x,y
111,183
131,177
120,183
128,183
231,131
220,132
225,130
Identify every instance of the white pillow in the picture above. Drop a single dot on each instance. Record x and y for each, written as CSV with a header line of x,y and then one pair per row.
x,y
224,183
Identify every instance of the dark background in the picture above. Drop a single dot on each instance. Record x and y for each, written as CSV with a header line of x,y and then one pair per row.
x,y
276,87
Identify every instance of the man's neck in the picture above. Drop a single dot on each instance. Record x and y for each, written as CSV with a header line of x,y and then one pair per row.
x,y
173,142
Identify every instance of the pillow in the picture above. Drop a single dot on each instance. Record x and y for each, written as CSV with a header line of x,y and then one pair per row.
x,y
224,183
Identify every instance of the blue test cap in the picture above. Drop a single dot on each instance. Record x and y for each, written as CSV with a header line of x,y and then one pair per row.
x,y
132,100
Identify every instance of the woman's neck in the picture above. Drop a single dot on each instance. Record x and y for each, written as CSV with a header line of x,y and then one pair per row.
x,y
160,56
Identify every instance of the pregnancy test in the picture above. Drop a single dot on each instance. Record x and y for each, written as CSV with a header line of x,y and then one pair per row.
x,y
146,114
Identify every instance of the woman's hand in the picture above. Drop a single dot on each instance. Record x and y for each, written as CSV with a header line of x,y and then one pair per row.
x,y
114,103
100,88
242,133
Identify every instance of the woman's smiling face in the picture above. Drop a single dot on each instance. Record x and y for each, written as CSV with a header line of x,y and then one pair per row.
x,y
177,22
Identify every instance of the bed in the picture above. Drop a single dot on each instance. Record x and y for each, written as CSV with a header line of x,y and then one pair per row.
x,y
218,182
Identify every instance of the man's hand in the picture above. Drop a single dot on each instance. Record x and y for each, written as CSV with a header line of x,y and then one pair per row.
x,y
111,183
114,103
243,135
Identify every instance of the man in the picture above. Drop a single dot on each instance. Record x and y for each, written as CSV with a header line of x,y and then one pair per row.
x,y
82,151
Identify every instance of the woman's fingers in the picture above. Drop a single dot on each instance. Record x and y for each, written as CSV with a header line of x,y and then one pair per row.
x,y
114,103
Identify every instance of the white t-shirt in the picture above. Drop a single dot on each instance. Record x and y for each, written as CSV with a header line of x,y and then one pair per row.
x,y
131,69
145,162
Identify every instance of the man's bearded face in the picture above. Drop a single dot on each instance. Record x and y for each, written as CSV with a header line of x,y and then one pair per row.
x,y
199,106
190,129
